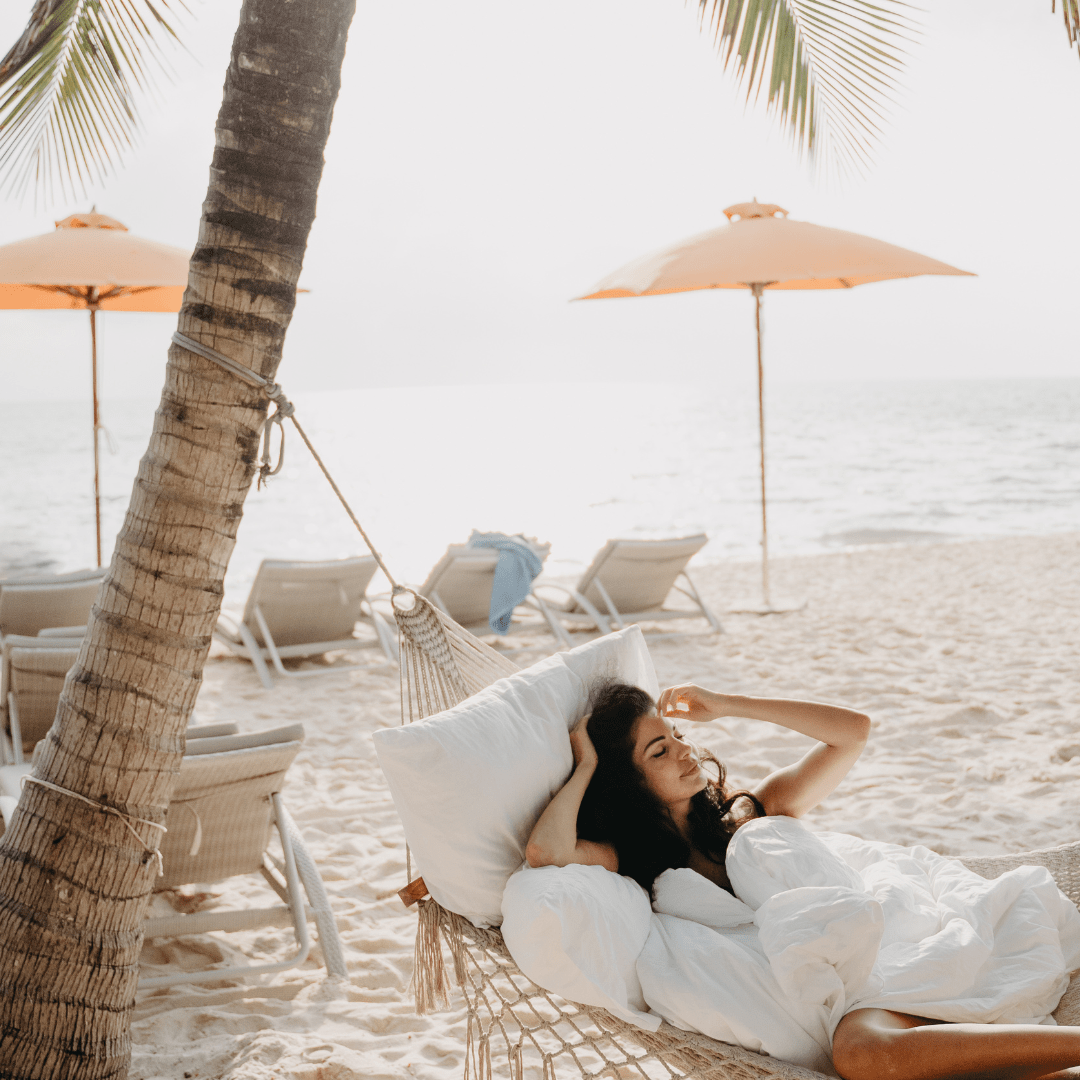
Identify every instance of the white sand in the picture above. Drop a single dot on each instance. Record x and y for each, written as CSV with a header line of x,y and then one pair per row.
x,y
965,655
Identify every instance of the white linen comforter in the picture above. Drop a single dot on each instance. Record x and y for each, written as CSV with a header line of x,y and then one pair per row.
x,y
826,923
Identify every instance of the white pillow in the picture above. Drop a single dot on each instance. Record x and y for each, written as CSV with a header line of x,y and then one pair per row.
x,y
469,783
577,931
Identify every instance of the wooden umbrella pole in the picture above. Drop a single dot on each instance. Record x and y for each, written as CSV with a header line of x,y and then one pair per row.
x,y
757,290
97,425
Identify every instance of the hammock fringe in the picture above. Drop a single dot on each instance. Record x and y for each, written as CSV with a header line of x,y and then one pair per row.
x,y
430,984
441,665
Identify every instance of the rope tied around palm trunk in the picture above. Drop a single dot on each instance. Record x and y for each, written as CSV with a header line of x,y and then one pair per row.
x,y
284,409
127,819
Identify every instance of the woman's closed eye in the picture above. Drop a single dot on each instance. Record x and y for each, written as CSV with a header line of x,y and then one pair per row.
x,y
662,749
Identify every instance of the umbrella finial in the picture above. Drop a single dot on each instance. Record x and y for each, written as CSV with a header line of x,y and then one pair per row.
x,y
92,220
746,210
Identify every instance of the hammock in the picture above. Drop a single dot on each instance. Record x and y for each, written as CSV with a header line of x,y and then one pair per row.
x,y
441,664
529,1024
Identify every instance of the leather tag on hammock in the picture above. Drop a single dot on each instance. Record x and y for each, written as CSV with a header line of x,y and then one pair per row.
x,y
414,891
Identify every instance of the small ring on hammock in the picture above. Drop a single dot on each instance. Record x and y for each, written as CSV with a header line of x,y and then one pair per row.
x,y
408,599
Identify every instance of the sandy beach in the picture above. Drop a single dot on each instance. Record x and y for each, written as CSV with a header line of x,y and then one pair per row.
x,y
964,655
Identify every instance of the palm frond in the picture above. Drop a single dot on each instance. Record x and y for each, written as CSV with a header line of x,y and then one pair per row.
x,y
1070,10
68,89
831,67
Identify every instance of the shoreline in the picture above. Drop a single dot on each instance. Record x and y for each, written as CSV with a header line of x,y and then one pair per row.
x,y
702,560
945,539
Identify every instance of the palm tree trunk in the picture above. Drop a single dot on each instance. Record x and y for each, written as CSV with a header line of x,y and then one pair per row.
x,y
75,879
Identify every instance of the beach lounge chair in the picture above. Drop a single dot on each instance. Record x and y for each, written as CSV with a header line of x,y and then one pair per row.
x,y
28,605
224,809
300,609
32,671
49,613
630,581
460,586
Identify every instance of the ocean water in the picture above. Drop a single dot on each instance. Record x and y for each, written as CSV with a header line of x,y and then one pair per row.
x,y
848,464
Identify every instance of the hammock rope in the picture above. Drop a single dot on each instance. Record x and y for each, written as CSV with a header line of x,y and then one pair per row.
x,y
442,664
284,409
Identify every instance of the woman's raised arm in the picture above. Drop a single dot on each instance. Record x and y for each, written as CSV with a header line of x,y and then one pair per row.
x,y
791,791
554,839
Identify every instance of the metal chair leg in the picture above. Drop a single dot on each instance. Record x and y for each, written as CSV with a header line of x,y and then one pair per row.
x,y
616,618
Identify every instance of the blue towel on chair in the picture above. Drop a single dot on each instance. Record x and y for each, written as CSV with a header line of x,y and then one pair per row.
x,y
518,565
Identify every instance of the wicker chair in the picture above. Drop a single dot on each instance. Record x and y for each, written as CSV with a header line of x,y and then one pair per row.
x,y
226,802
32,671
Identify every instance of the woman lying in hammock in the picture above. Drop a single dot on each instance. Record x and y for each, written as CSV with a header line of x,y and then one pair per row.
x,y
640,802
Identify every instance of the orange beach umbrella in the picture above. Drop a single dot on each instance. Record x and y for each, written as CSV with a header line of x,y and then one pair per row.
x,y
91,261
759,249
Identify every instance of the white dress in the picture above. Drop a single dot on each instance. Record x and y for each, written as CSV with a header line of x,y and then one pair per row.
x,y
825,923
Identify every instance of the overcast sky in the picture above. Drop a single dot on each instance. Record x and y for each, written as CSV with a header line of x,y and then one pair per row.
x,y
490,159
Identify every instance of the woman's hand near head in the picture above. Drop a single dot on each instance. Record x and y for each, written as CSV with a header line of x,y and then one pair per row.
x,y
689,702
582,745
841,735
554,839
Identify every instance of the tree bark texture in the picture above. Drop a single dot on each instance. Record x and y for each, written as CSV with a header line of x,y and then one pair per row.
x,y
74,879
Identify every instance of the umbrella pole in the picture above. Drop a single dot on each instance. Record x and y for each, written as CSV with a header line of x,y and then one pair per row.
x,y
757,289
97,426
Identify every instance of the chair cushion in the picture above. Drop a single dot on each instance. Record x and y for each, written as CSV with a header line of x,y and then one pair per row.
x,y
29,608
35,677
469,783
220,744
207,731
577,931
87,574
220,814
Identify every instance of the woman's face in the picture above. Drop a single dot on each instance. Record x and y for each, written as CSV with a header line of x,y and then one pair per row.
x,y
668,764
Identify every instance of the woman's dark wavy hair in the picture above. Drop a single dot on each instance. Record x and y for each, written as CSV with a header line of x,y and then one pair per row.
x,y
619,809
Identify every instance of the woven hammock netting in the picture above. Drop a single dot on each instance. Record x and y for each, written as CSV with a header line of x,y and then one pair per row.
x,y
517,1029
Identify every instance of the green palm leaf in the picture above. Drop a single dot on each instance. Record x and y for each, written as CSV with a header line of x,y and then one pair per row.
x,y
67,88
832,67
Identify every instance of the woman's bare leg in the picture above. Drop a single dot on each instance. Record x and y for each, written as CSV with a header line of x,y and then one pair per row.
x,y
875,1044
